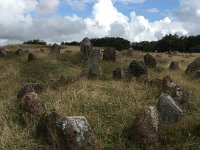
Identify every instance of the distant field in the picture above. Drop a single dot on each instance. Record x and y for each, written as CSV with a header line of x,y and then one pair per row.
x,y
110,106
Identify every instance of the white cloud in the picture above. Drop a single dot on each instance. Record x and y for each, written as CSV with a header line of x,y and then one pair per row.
x,y
130,1
153,10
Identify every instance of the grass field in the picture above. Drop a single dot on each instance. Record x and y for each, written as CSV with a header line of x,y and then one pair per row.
x,y
110,106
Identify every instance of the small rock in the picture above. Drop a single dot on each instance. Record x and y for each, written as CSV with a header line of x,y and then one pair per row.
x,y
149,61
109,54
31,87
74,133
174,66
137,68
32,109
146,124
168,109
119,73
194,66
31,57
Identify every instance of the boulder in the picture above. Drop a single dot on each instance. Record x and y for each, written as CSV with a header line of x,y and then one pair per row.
x,y
31,87
21,52
74,133
137,68
168,109
3,52
86,48
174,66
55,49
149,61
146,125
47,128
109,54
194,66
31,57
175,91
119,73
94,69
32,109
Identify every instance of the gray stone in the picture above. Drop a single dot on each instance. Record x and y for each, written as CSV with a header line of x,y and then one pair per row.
x,y
86,48
55,49
21,52
94,70
168,109
146,124
109,54
31,57
74,133
194,66
137,68
119,73
174,66
149,61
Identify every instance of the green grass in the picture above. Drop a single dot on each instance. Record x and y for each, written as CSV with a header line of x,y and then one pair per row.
x,y
110,106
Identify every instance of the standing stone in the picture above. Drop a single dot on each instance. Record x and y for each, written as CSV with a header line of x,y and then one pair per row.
x,y
46,129
149,61
168,109
3,52
86,48
55,49
109,54
194,66
28,88
31,57
174,66
119,73
137,68
32,109
146,124
94,70
21,52
74,133
175,91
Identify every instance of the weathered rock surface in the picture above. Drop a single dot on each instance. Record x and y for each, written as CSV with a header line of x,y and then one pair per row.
x,y
32,109
175,91
109,54
31,87
137,68
55,49
174,66
194,66
93,67
74,133
168,109
146,124
3,52
47,128
86,48
31,57
119,73
149,61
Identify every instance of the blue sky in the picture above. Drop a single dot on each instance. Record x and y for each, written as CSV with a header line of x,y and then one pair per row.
x,y
72,20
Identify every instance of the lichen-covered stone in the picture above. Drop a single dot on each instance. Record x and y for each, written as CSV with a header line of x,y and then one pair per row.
x,y
137,68
55,49
109,54
174,66
75,133
146,124
168,109
86,48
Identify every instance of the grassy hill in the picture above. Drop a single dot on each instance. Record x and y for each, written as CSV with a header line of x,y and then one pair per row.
x,y
110,106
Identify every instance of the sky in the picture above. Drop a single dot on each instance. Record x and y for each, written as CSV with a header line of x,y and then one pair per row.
x,y
72,20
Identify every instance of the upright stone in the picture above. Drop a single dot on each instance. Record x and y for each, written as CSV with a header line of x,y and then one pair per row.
x,y
174,66
31,57
94,70
86,48
74,133
55,49
149,61
146,124
137,68
32,109
194,66
109,54
168,109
